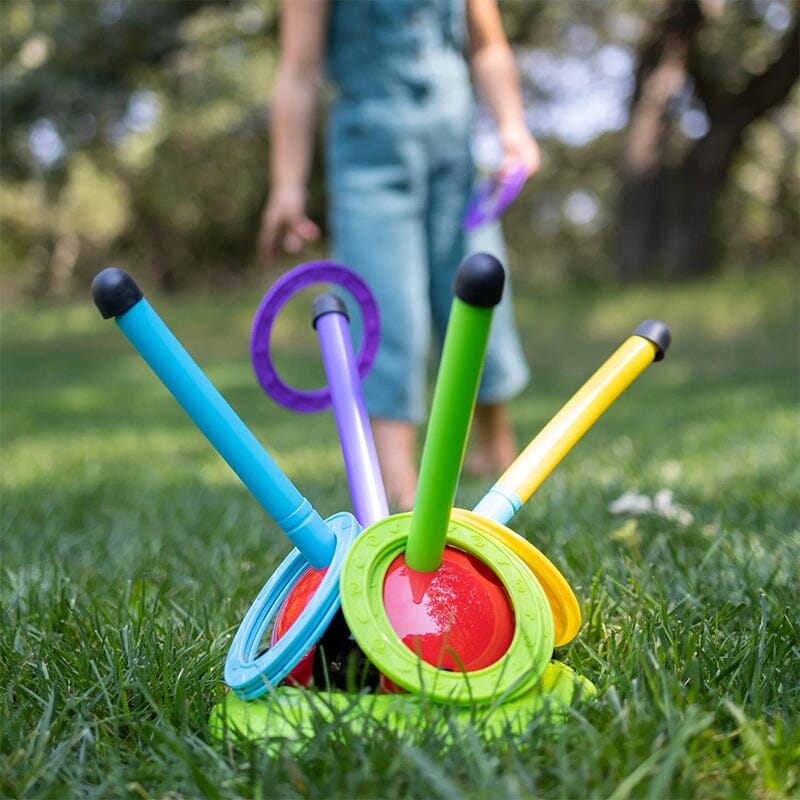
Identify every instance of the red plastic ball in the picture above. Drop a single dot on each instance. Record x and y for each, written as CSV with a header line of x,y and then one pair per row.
x,y
297,599
336,659
456,618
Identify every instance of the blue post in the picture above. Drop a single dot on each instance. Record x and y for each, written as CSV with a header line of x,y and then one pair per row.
x,y
117,295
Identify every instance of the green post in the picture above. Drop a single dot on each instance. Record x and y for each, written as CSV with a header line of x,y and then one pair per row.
x,y
478,289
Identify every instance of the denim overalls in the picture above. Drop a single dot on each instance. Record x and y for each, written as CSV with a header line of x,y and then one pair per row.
x,y
400,174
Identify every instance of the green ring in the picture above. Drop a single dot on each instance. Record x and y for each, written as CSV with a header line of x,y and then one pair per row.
x,y
361,586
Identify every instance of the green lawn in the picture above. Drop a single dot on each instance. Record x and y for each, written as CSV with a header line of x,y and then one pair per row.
x,y
130,554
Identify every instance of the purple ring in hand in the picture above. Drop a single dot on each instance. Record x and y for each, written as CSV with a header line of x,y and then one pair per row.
x,y
494,196
282,290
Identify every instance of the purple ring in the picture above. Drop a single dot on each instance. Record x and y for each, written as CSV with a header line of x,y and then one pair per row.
x,y
282,290
493,197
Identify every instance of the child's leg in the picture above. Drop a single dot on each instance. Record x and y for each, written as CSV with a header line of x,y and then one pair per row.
x,y
395,443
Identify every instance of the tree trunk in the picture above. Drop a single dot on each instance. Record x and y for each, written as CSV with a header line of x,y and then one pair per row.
x,y
667,211
661,74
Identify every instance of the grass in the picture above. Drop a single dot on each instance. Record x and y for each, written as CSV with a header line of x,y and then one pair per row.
x,y
130,554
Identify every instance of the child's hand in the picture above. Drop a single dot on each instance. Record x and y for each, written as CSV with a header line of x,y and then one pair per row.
x,y
284,224
519,147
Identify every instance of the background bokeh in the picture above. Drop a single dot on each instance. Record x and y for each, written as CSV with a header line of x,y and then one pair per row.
x,y
136,133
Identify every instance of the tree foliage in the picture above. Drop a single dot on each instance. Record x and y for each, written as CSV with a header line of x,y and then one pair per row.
x,y
138,136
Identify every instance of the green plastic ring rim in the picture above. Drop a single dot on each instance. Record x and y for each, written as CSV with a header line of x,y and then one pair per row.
x,y
519,669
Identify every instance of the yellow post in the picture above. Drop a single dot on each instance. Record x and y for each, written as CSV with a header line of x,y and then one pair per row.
x,y
559,436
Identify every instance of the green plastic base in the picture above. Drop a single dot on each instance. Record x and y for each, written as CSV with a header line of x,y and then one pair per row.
x,y
289,716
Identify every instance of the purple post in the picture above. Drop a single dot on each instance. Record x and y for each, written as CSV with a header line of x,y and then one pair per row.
x,y
358,447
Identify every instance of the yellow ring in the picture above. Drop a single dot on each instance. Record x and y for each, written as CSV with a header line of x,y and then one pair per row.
x,y
562,600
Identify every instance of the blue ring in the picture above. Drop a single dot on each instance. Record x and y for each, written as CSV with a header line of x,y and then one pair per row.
x,y
250,676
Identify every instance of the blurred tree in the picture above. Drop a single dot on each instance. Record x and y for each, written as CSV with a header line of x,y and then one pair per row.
x,y
672,183
68,70
134,133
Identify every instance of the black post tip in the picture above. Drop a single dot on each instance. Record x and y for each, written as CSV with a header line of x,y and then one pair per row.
x,y
328,303
656,332
480,280
114,292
